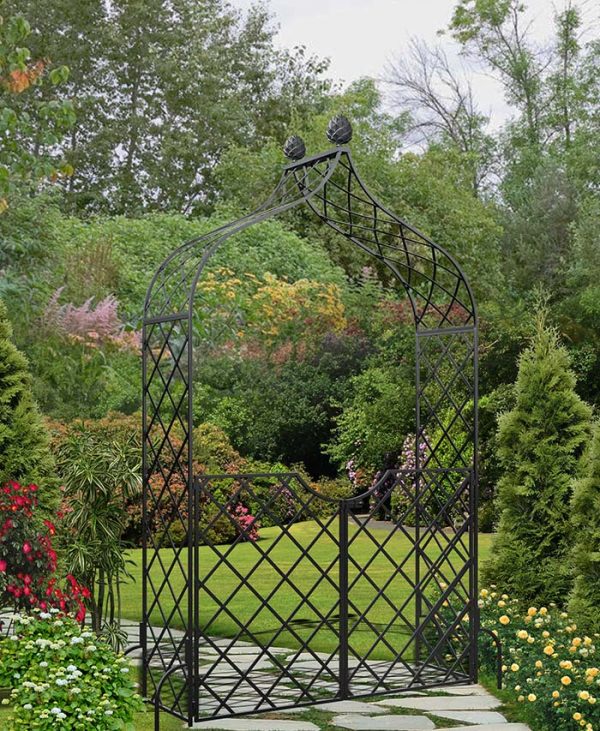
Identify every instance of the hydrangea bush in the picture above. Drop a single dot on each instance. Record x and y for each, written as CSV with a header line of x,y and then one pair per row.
x,y
548,664
65,677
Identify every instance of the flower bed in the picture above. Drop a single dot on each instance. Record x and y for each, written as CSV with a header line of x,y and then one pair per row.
x,y
64,676
548,664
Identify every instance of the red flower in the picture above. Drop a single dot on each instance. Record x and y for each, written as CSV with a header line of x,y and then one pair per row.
x,y
27,547
2,565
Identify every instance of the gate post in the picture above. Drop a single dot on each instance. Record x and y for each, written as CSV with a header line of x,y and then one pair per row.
x,y
343,601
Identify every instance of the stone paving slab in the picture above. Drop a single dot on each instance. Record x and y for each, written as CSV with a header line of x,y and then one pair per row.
x,y
256,724
349,707
477,717
384,723
465,690
442,703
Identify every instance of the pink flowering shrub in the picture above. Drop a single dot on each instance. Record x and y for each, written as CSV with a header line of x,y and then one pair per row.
x,y
246,524
94,326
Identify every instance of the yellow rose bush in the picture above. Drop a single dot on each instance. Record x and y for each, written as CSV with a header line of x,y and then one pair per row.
x,y
548,664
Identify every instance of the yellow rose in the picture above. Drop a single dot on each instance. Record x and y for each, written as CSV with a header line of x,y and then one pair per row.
x,y
514,667
566,680
532,697
576,641
521,698
543,611
484,593
584,695
532,611
591,700
566,664
577,716
539,664
549,650
555,694
545,633
522,634
504,619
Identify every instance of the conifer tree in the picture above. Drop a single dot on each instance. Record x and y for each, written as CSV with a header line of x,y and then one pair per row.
x,y
540,442
585,600
24,443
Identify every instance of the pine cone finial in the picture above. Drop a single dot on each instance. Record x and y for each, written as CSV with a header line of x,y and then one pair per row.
x,y
339,130
294,148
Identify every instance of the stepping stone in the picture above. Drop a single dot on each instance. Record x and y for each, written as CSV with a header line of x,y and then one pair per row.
x,y
464,690
480,717
491,727
256,724
440,703
349,707
384,723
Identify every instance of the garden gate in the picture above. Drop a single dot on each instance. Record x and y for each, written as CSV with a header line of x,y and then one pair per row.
x,y
352,605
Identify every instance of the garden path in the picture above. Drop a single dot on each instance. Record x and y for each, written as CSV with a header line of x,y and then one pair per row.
x,y
441,710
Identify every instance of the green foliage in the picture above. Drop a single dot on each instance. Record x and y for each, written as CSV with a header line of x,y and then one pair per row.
x,y
63,675
213,449
29,137
377,416
540,440
584,603
280,408
100,473
24,445
491,406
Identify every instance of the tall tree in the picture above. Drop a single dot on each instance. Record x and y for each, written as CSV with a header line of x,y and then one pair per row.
x,y
494,31
441,105
162,89
540,441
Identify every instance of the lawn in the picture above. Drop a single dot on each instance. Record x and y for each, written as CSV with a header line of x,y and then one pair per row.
x,y
315,577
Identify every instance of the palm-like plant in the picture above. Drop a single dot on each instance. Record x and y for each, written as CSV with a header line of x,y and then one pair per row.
x,y
99,474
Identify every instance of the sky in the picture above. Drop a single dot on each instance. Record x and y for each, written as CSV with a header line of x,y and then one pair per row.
x,y
362,36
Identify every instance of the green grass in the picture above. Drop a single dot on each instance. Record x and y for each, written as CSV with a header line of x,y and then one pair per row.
x,y
242,600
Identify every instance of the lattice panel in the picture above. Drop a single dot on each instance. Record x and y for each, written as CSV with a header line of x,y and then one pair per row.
x,y
445,397
167,504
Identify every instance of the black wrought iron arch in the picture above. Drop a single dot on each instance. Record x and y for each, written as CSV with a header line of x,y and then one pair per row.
x,y
439,492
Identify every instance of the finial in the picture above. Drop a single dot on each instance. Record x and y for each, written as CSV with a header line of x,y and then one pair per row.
x,y
339,130
294,148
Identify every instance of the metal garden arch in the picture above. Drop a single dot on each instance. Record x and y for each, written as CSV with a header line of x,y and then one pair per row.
x,y
329,596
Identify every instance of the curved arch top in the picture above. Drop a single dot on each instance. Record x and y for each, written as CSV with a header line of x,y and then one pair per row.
x,y
332,188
